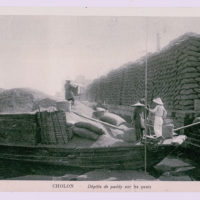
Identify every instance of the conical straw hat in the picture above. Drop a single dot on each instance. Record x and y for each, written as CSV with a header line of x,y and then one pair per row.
x,y
142,101
158,101
137,104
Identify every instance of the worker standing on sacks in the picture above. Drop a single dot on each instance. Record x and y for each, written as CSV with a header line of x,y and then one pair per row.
x,y
138,119
160,113
146,110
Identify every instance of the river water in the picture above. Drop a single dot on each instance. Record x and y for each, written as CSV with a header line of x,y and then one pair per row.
x,y
175,167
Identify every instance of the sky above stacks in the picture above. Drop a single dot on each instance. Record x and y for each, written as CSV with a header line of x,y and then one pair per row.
x,y
41,52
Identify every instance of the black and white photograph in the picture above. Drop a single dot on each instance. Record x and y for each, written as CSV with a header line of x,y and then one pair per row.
x,y
99,98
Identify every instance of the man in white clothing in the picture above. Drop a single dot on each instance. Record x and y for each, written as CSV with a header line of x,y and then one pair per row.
x,y
160,113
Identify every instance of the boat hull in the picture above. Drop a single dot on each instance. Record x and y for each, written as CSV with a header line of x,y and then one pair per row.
x,y
129,157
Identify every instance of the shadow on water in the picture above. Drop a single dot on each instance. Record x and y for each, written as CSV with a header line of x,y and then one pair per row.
x,y
180,164
19,170
193,158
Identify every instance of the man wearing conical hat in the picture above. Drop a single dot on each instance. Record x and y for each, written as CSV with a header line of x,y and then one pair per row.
x,y
138,118
159,112
146,110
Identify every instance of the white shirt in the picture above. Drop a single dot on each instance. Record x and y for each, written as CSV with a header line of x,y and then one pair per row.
x,y
159,111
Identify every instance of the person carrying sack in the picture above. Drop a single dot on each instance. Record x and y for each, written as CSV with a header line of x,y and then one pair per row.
x,y
160,113
69,93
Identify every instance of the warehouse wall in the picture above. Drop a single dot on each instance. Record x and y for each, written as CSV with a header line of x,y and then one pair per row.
x,y
173,75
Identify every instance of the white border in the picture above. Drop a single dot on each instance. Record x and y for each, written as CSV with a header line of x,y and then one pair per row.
x,y
187,12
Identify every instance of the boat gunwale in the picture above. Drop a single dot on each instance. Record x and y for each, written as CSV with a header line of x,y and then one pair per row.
x,y
60,147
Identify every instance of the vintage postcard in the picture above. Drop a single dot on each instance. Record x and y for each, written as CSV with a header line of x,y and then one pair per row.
x,y
100,99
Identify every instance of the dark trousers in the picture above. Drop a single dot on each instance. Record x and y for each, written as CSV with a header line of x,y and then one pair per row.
x,y
72,99
139,133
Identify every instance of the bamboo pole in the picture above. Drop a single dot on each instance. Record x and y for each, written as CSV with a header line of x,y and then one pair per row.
x,y
145,144
187,126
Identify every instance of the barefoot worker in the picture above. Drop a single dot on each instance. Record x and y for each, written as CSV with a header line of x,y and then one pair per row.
x,y
160,113
138,119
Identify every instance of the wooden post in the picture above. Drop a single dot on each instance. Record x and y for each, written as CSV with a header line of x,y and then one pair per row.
x,y
145,90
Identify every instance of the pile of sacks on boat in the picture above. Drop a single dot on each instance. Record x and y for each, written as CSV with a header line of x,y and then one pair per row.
x,y
88,130
105,116
103,135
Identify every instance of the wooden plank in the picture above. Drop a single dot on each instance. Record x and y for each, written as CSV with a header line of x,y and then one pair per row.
x,y
192,143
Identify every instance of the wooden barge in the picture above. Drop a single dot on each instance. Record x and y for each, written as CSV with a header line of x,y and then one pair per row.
x,y
127,157
19,141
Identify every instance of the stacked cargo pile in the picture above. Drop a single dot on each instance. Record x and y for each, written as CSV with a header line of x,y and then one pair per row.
x,y
102,89
52,127
162,77
173,75
133,85
92,92
106,97
18,129
188,66
114,92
